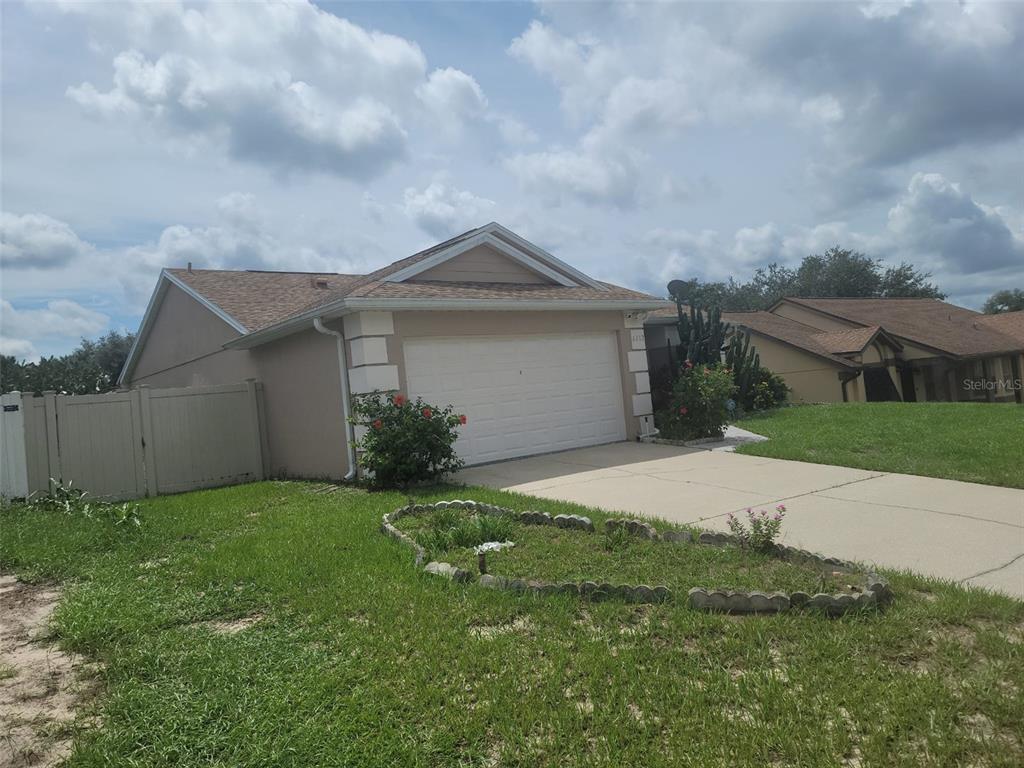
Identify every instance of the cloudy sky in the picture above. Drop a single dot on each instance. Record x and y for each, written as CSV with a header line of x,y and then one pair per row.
x,y
639,142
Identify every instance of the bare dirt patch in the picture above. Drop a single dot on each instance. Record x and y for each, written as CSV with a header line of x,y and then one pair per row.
x,y
41,686
234,626
520,625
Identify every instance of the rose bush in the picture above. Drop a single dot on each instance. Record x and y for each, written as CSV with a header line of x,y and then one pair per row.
x,y
405,441
697,407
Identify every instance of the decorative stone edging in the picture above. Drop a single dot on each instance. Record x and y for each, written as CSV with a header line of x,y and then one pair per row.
x,y
876,591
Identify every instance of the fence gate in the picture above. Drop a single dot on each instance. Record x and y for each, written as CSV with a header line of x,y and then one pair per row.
x,y
137,443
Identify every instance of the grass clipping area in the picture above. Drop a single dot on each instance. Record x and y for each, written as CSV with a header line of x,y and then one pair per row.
x,y
267,625
551,554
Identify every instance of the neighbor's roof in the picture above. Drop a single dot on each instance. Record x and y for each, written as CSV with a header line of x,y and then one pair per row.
x,y
929,322
665,315
847,341
1008,323
791,332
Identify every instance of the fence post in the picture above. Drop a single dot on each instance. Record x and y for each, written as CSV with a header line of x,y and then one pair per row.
x,y
138,443
254,416
148,442
53,472
261,408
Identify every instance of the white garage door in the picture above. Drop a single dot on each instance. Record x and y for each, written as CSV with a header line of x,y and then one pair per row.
x,y
522,395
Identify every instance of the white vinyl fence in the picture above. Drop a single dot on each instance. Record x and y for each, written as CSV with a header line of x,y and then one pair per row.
x,y
142,442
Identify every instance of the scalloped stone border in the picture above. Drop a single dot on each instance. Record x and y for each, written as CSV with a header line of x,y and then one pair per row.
x,y
876,591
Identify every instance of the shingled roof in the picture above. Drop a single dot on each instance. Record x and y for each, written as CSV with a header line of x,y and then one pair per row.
x,y
929,322
259,299
256,300
791,332
1008,323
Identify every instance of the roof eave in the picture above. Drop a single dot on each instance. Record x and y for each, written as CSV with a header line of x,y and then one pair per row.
x,y
357,304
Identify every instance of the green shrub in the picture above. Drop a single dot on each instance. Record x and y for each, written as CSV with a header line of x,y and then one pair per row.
x,y
405,442
449,529
769,390
699,404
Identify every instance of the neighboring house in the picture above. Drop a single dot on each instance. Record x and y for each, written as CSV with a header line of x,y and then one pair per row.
x,y
833,350
539,356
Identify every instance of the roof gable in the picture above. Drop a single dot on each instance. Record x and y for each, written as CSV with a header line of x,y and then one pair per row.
x,y
166,280
497,239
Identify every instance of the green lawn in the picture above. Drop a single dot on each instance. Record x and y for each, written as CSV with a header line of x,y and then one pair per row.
x,y
975,442
360,660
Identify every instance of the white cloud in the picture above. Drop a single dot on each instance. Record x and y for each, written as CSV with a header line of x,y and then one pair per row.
x,y
639,91
22,349
286,85
61,318
37,241
823,109
441,210
453,97
512,130
872,90
938,220
589,175
240,237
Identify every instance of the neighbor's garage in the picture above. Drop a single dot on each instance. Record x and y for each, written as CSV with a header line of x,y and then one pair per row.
x,y
522,395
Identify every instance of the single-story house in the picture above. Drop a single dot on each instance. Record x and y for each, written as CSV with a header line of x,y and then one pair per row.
x,y
835,350
539,356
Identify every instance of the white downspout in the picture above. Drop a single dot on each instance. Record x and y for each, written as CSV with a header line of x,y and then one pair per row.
x,y
350,437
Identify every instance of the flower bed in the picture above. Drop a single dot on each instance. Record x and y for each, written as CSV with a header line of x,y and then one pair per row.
x,y
634,561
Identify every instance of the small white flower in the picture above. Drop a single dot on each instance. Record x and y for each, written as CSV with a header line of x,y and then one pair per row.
x,y
493,546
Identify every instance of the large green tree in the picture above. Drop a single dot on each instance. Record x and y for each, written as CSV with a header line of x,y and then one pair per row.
x,y
1010,300
837,272
90,368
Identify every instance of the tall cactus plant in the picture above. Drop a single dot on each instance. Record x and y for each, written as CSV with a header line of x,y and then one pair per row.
x,y
703,335
744,362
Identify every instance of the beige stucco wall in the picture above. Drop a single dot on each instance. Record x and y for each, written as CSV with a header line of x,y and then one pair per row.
x,y
184,347
812,318
410,325
482,264
302,403
301,384
811,379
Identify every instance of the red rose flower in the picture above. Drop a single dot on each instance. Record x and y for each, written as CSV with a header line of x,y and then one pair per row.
x,y
377,424
398,400
427,413
683,410
689,364
462,419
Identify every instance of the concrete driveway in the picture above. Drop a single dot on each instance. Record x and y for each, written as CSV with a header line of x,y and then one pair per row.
x,y
970,533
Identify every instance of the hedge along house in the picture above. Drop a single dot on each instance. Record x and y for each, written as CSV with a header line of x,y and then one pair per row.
x,y
835,350
539,356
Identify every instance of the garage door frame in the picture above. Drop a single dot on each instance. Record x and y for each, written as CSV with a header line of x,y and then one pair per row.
x,y
606,393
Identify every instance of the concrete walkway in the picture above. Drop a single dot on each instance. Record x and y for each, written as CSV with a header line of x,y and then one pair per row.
x,y
970,533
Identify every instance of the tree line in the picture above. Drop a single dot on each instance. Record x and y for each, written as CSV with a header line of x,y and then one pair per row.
x,y
92,367
836,273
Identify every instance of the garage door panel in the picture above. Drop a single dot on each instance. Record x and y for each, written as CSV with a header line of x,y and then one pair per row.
x,y
522,395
